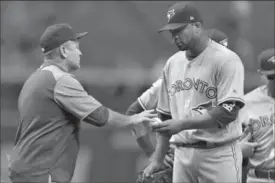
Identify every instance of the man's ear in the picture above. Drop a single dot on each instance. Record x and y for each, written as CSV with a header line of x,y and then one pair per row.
x,y
197,26
63,51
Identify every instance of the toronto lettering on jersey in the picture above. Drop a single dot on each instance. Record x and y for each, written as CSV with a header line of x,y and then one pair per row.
x,y
262,121
197,84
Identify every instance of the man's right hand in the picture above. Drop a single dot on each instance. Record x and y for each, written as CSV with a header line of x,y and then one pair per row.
x,y
144,117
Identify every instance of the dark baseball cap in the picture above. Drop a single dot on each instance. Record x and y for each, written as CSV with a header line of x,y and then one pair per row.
x,y
57,34
217,36
181,14
267,62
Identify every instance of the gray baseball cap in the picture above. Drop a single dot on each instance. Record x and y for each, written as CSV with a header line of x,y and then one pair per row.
x,y
57,34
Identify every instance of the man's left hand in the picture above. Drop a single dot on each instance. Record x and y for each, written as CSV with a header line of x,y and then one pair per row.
x,y
170,127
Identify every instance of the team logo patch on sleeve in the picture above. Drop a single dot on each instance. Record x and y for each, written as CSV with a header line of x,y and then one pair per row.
x,y
224,42
228,107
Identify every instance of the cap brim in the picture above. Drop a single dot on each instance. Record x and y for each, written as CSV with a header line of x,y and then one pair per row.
x,y
80,35
173,26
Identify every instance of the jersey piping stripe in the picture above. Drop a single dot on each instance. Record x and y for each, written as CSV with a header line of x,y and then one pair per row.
x,y
203,104
163,112
236,163
142,105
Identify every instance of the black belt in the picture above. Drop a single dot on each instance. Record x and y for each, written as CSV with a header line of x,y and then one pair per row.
x,y
265,174
201,145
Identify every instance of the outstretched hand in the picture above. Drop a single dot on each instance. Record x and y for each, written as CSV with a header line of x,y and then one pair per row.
x,y
169,127
144,117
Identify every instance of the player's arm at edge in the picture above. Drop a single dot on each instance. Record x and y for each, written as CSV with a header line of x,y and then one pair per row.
x,y
162,138
164,114
162,142
148,100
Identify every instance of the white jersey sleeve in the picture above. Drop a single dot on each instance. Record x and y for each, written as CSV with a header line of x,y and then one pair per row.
x,y
163,99
149,99
230,80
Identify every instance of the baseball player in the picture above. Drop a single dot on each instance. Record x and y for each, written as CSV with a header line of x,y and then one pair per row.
x,y
51,105
199,100
259,117
148,100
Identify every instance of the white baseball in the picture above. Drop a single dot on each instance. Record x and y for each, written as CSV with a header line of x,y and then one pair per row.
x,y
157,121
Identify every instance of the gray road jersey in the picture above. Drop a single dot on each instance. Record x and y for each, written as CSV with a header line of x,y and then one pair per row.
x,y
213,77
259,113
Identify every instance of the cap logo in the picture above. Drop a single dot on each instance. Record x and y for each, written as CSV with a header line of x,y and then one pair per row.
x,y
272,59
43,49
170,14
224,42
192,18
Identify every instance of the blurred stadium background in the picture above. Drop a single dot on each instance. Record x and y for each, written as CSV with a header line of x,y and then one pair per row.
x,y
122,55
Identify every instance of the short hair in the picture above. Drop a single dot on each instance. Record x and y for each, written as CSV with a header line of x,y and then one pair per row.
x,y
52,54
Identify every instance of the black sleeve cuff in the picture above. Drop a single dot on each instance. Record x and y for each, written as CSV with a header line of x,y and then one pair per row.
x,y
98,117
224,114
